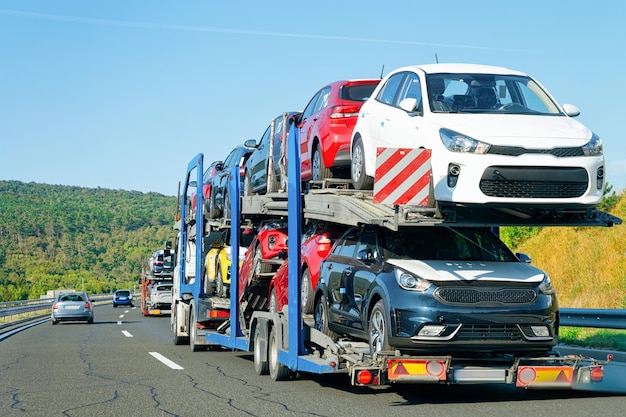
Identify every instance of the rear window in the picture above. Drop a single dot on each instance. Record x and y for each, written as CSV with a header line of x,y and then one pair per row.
x,y
71,297
360,92
123,293
164,288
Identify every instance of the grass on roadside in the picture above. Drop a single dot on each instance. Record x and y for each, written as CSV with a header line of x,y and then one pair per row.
x,y
596,338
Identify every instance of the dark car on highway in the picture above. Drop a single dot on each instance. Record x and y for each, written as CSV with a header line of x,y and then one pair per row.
x,y
257,180
436,290
219,200
122,298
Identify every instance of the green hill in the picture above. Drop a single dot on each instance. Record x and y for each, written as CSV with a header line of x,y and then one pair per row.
x,y
54,236
587,265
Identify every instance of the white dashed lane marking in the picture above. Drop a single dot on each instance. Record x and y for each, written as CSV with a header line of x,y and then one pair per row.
x,y
165,361
126,333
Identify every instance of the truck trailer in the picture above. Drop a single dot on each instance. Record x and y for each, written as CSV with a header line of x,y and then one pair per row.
x,y
289,342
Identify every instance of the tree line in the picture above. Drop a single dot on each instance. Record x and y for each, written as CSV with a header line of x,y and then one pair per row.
x,y
66,237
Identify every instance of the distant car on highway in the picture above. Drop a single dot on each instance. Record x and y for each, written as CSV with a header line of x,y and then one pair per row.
x,y
122,298
72,306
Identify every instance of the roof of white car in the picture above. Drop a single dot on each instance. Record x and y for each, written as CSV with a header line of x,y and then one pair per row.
x,y
461,68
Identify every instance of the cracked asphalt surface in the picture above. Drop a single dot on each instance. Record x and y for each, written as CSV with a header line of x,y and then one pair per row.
x,y
75,369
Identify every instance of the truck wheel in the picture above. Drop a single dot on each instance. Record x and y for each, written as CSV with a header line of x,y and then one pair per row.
x,y
261,366
278,371
378,330
178,340
319,171
306,292
193,333
360,180
321,318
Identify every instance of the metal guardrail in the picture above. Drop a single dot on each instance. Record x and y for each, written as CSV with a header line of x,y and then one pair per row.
x,y
570,317
15,308
599,318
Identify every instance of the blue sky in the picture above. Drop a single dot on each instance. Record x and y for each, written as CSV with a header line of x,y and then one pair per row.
x,y
122,94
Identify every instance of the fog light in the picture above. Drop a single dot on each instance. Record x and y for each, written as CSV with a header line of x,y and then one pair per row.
x,y
431,330
453,174
600,178
540,331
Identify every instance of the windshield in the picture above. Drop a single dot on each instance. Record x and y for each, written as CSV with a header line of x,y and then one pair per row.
x,y
445,244
488,93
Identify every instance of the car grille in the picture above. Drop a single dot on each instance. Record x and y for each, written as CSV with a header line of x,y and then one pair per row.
x,y
489,332
475,296
534,182
517,151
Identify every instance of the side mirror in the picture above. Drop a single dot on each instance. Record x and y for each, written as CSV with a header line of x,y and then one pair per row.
x,y
250,143
409,105
523,257
571,110
282,254
366,256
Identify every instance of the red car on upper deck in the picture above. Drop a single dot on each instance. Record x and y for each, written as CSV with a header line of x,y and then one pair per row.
x,y
326,126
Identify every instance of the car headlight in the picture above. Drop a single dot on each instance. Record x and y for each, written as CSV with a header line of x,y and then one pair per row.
x,y
593,147
546,286
457,142
411,282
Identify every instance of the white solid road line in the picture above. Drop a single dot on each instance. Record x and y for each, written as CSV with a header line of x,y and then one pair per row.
x,y
126,333
166,361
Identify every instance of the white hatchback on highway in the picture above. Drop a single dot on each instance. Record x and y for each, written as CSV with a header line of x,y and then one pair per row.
x,y
497,137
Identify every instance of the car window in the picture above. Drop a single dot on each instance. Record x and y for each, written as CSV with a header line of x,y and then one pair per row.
x,y
308,110
322,101
357,92
123,293
389,92
367,248
346,245
463,244
411,89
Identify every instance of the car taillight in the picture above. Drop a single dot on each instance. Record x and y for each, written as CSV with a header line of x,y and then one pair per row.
x,y
55,306
87,305
339,112
242,171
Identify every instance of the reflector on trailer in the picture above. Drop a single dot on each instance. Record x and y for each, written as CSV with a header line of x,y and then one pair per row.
x,y
417,369
556,376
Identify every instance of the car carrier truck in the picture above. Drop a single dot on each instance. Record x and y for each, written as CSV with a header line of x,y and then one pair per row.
x,y
285,343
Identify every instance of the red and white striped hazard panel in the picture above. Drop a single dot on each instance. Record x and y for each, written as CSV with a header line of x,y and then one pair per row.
x,y
402,176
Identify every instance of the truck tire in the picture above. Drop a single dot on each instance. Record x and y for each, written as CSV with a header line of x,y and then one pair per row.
x,y
278,371
378,329
273,304
261,366
178,340
360,180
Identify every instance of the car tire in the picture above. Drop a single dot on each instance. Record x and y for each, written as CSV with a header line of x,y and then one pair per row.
x,y
213,213
320,315
54,322
306,292
278,371
258,267
226,205
378,329
114,305
247,185
90,321
318,170
260,366
220,288
360,180
273,304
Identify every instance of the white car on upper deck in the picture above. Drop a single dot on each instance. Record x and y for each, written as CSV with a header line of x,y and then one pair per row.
x,y
497,137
